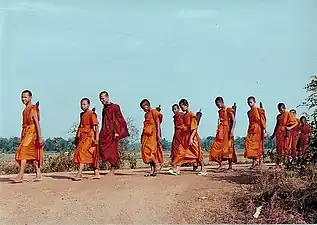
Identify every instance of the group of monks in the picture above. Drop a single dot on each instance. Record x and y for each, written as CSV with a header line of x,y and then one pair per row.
x,y
186,146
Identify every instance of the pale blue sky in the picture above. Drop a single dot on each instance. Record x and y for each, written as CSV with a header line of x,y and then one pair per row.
x,y
162,50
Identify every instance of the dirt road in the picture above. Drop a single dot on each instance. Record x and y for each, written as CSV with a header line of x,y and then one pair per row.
x,y
128,197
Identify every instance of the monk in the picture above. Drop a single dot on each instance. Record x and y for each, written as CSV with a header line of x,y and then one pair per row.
x,y
151,138
189,149
254,142
178,125
305,135
284,123
295,135
222,147
30,150
86,141
114,128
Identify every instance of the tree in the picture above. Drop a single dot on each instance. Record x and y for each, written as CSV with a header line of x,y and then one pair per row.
x,y
206,143
311,103
166,144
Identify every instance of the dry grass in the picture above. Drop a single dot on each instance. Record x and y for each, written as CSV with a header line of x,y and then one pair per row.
x,y
286,197
62,162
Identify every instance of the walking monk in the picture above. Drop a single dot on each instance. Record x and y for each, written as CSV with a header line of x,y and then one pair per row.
x,y
254,142
178,129
305,135
114,128
295,135
222,147
189,148
30,150
151,138
284,123
86,141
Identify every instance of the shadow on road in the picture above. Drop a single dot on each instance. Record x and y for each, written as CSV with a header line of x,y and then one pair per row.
x,y
238,177
59,177
4,180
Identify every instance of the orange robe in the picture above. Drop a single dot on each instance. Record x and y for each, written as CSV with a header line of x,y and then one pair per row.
x,y
222,147
254,142
186,153
151,149
295,136
283,137
29,148
86,151
305,132
178,133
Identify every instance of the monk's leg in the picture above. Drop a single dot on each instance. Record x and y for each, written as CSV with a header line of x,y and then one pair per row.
x,y
195,166
22,166
37,169
253,164
79,175
230,164
219,163
112,170
96,174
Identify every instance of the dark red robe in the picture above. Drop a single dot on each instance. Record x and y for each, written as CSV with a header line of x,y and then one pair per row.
x,y
113,123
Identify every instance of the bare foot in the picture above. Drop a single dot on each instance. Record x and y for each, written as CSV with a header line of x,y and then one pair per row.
x,y
17,180
229,170
219,168
77,178
95,177
111,173
37,178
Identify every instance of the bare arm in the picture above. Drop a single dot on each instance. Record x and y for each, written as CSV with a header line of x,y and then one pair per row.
x,y
193,133
38,128
158,129
275,129
233,119
96,129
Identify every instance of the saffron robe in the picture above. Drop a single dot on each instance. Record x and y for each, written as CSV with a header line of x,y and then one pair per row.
x,y
29,148
151,149
254,142
186,153
86,151
222,147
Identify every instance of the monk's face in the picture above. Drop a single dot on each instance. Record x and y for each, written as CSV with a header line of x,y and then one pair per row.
x,y
175,109
104,99
184,107
251,103
146,107
293,112
303,120
84,105
220,104
26,98
282,109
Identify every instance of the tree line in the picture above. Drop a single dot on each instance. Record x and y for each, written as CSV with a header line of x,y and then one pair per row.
x,y
59,144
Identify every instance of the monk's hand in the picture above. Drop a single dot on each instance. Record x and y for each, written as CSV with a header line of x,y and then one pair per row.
x,y
41,141
264,132
288,128
159,139
116,136
191,141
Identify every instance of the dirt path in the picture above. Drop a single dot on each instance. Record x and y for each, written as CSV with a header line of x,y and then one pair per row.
x,y
127,198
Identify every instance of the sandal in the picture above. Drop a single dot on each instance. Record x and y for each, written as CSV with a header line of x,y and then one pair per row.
x,y
76,178
172,172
